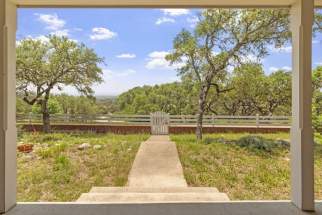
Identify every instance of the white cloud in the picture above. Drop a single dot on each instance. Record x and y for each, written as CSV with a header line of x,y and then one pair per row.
x,y
274,69
158,54
126,55
41,38
61,33
102,34
51,20
283,49
175,12
74,40
315,41
287,68
193,21
54,23
164,20
156,60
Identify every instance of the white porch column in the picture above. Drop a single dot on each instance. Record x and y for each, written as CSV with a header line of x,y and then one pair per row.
x,y
302,170
7,106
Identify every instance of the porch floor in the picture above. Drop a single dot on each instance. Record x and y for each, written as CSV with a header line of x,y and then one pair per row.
x,y
220,208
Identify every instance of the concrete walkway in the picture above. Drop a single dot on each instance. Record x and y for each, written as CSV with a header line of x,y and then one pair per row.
x,y
157,164
156,176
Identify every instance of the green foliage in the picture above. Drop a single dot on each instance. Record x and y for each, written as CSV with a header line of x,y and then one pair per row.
x,y
317,99
43,66
52,150
61,162
22,107
54,107
209,140
259,143
56,63
69,104
77,104
63,170
173,98
253,92
221,38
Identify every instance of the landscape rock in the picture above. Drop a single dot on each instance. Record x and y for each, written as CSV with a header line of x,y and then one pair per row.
x,y
97,147
29,157
84,146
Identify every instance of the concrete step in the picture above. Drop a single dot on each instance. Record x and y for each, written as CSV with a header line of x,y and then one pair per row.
x,y
154,190
152,197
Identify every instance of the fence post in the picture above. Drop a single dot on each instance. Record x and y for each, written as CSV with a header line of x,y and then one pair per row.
x,y
213,119
257,120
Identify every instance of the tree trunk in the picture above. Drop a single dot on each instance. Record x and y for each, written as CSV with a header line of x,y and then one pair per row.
x,y
202,106
45,114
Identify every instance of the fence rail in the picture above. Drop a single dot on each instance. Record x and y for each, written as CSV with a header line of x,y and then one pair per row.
x,y
118,119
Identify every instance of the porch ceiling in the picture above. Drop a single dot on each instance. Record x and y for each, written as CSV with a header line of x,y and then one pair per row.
x,y
157,3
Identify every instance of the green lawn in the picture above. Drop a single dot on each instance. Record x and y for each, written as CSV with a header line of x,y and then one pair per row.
x,y
244,173
57,171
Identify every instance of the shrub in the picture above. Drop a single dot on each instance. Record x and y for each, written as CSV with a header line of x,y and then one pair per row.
x,y
61,163
48,138
52,151
209,140
63,170
259,143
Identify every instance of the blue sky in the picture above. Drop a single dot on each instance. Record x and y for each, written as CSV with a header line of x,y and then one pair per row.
x,y
132,41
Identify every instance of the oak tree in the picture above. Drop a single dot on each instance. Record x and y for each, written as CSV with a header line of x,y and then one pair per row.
x,y
222,38
45,66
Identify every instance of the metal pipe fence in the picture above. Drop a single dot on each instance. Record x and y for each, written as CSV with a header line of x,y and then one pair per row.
x,y
175,120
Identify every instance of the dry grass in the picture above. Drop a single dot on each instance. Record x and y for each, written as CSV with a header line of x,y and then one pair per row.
x,y
57,171
241,172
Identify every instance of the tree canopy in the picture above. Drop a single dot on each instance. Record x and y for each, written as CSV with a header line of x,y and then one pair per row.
x,y
223,38
45,66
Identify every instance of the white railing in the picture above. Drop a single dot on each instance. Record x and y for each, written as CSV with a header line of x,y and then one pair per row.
x,y
128,119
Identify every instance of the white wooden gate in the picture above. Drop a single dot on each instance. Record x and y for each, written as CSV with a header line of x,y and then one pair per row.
x,y
160,123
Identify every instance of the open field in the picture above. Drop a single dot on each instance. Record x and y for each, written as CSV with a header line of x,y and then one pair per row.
x,y
58,171
243,172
